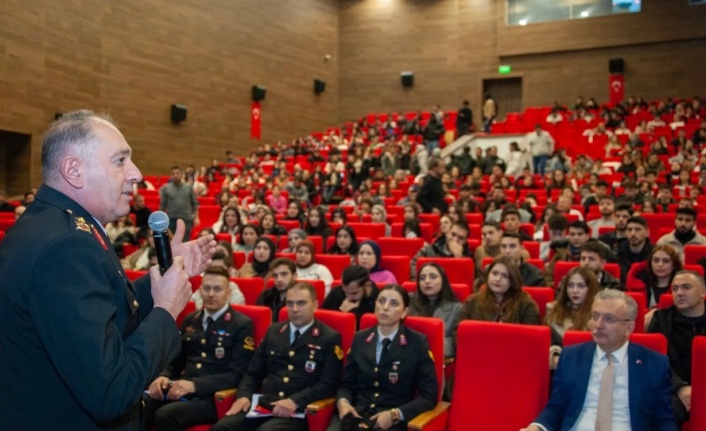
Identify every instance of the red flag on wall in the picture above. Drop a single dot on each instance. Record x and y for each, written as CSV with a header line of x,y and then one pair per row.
x,y
255,114
617,88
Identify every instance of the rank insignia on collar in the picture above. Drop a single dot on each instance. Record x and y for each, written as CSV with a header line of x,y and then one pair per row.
x,y
99,238
339,352
315,332
370,337
227,317
403,340
284,328
81,224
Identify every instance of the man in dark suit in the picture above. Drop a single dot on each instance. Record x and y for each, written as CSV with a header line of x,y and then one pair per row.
x,y
298,362
610,383
431,196
217,345
73,330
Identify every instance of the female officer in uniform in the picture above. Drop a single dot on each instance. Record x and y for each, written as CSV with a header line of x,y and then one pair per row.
x,y
389,376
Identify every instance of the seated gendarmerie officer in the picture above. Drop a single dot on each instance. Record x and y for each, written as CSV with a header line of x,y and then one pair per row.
x,y
283,273
298,362
217,345
356,294
389,377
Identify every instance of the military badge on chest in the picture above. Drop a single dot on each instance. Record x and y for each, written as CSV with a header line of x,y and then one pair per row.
x,y
310,366
393,377
220,352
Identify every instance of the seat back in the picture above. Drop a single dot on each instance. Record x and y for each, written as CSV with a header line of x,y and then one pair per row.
x,y
458,270
542,296
433,330
641,300
481,400
654,341
335,263
398,265
561,268
697,420
188,309
261,318
400,246
343,323
665,301
133,275
250,287
369,230
694,253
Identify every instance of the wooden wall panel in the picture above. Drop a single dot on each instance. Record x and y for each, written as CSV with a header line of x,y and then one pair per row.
x,y
658,21
134,59
451,45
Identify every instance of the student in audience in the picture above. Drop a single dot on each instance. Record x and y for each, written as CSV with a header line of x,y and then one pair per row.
x,y
572,308
606,206
339,216
379,215
623,212
389,376
411,229
456,213
491,234
685,232
593,256
230,222
411,212
277,202
636,248
453,244
680,323
269,225
284,275
511,246
220,259
548,211
346,243
249,233
369,256
307,268
294,212
501,299
511,220
356,294
435,298
316,223
654,276
445,224
263,254
294,237
568,251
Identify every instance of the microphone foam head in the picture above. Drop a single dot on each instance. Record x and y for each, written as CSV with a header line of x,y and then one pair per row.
x,y
158,221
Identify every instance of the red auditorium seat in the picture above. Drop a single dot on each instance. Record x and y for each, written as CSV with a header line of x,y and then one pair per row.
x,y
398,265
370,230
458,270
656,342
542,296
484,346
250,288
400,246
335,263
698,385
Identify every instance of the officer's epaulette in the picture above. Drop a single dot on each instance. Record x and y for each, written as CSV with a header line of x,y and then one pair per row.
x,y
284,327
370,337
79,223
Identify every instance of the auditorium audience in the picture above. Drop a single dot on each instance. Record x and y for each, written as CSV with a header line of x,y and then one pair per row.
x,y
263,254
307,268
249,233
369,257
653,277
356,294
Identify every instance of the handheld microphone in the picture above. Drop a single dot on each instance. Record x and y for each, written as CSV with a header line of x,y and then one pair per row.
x,y
159,223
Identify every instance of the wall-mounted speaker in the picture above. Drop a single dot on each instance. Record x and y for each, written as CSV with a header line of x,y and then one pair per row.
x,y
319,86
258,93
178,113
616,65
407,79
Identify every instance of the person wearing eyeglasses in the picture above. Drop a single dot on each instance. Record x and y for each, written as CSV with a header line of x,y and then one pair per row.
x,y
217,346
610,383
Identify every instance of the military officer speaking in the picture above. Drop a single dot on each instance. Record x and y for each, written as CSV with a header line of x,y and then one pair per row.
x,y
298,362
217,346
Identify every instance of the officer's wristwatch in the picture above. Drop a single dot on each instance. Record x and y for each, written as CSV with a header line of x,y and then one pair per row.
x,y
395,416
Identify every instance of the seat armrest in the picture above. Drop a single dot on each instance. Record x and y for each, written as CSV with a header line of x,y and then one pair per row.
x,y
434,419
224,400
320,404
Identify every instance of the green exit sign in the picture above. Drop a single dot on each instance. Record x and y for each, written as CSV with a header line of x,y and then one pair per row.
x,y
504,69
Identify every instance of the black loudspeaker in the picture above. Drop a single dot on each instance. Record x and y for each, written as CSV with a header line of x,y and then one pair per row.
x,y
319,86
407,79
178,113
258,93
616,65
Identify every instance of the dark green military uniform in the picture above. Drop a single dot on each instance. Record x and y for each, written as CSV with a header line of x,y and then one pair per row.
x,y
306,371
78,342
213,360
404,379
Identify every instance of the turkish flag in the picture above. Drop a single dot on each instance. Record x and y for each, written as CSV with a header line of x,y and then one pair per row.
x,y
617,88
255,115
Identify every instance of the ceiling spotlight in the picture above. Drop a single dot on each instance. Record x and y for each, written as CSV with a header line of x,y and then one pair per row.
x,y
584,14
522,22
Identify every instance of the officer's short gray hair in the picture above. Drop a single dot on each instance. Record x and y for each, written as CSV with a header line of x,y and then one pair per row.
x,y
72,129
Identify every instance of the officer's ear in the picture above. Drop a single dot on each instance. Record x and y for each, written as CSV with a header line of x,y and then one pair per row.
x,y
71,169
